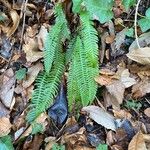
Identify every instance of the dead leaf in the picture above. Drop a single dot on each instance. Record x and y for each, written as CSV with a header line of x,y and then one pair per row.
x,y
126,79
7,89
41,119
140,89
147,112
116,90
5,126
16,19
120,37
140,55
32,74
42,36
103,80
137,143
100,116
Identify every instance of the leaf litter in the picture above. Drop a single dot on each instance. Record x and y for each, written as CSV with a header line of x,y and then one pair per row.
x,y
124,76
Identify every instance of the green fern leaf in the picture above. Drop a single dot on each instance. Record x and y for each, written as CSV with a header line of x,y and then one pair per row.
x,y
81,76
58,34
90,39
47,87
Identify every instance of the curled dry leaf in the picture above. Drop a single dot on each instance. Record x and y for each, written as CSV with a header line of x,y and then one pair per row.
x,y
16,19
100,116
5,126
140,55
137,143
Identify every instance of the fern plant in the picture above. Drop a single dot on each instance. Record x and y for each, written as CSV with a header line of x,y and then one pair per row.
x,y
81,57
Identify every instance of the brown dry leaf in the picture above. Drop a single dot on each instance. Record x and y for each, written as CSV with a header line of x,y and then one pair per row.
x,y
100,116
32,74
31,50
140,89
41,120
147,112
16,19
83,148
75,139
7,89
122,114
126,79
5,126
120,37
137,143
140,55
103,80
116,90
42,36
109,39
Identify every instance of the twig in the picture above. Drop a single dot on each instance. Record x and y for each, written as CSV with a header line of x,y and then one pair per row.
x,y
23,9
135,23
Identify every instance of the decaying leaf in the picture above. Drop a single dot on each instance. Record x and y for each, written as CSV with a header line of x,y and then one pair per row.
x,y
147,112
116,90
137,143
16,19
126,79
31,50
5,126
140,89
140,55
100,116
32,74
7,89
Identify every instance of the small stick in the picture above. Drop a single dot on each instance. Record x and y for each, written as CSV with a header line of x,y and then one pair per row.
x,y
135,23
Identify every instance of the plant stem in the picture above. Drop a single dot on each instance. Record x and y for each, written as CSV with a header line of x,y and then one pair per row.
x,y
135,23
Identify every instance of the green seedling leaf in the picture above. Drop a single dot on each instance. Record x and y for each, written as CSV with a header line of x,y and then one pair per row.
x,y
128,3
58,147
130,32
20,74
144,23
102,147
6,143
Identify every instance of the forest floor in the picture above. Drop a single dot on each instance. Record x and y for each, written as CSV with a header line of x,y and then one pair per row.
x,y
119,117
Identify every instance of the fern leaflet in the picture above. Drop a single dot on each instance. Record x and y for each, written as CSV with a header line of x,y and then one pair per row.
x,y
47,86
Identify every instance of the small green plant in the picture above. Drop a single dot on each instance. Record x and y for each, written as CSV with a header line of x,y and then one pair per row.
x,y
21,73
6,143
132,104
102,147
58,147
144,23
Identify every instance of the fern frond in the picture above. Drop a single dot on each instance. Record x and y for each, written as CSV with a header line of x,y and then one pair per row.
x,y
89,39
51,43
81,76
58,34
62,20
47,87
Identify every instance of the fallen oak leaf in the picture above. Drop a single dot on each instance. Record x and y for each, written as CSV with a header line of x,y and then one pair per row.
x,y
140,55
100,116
137,143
